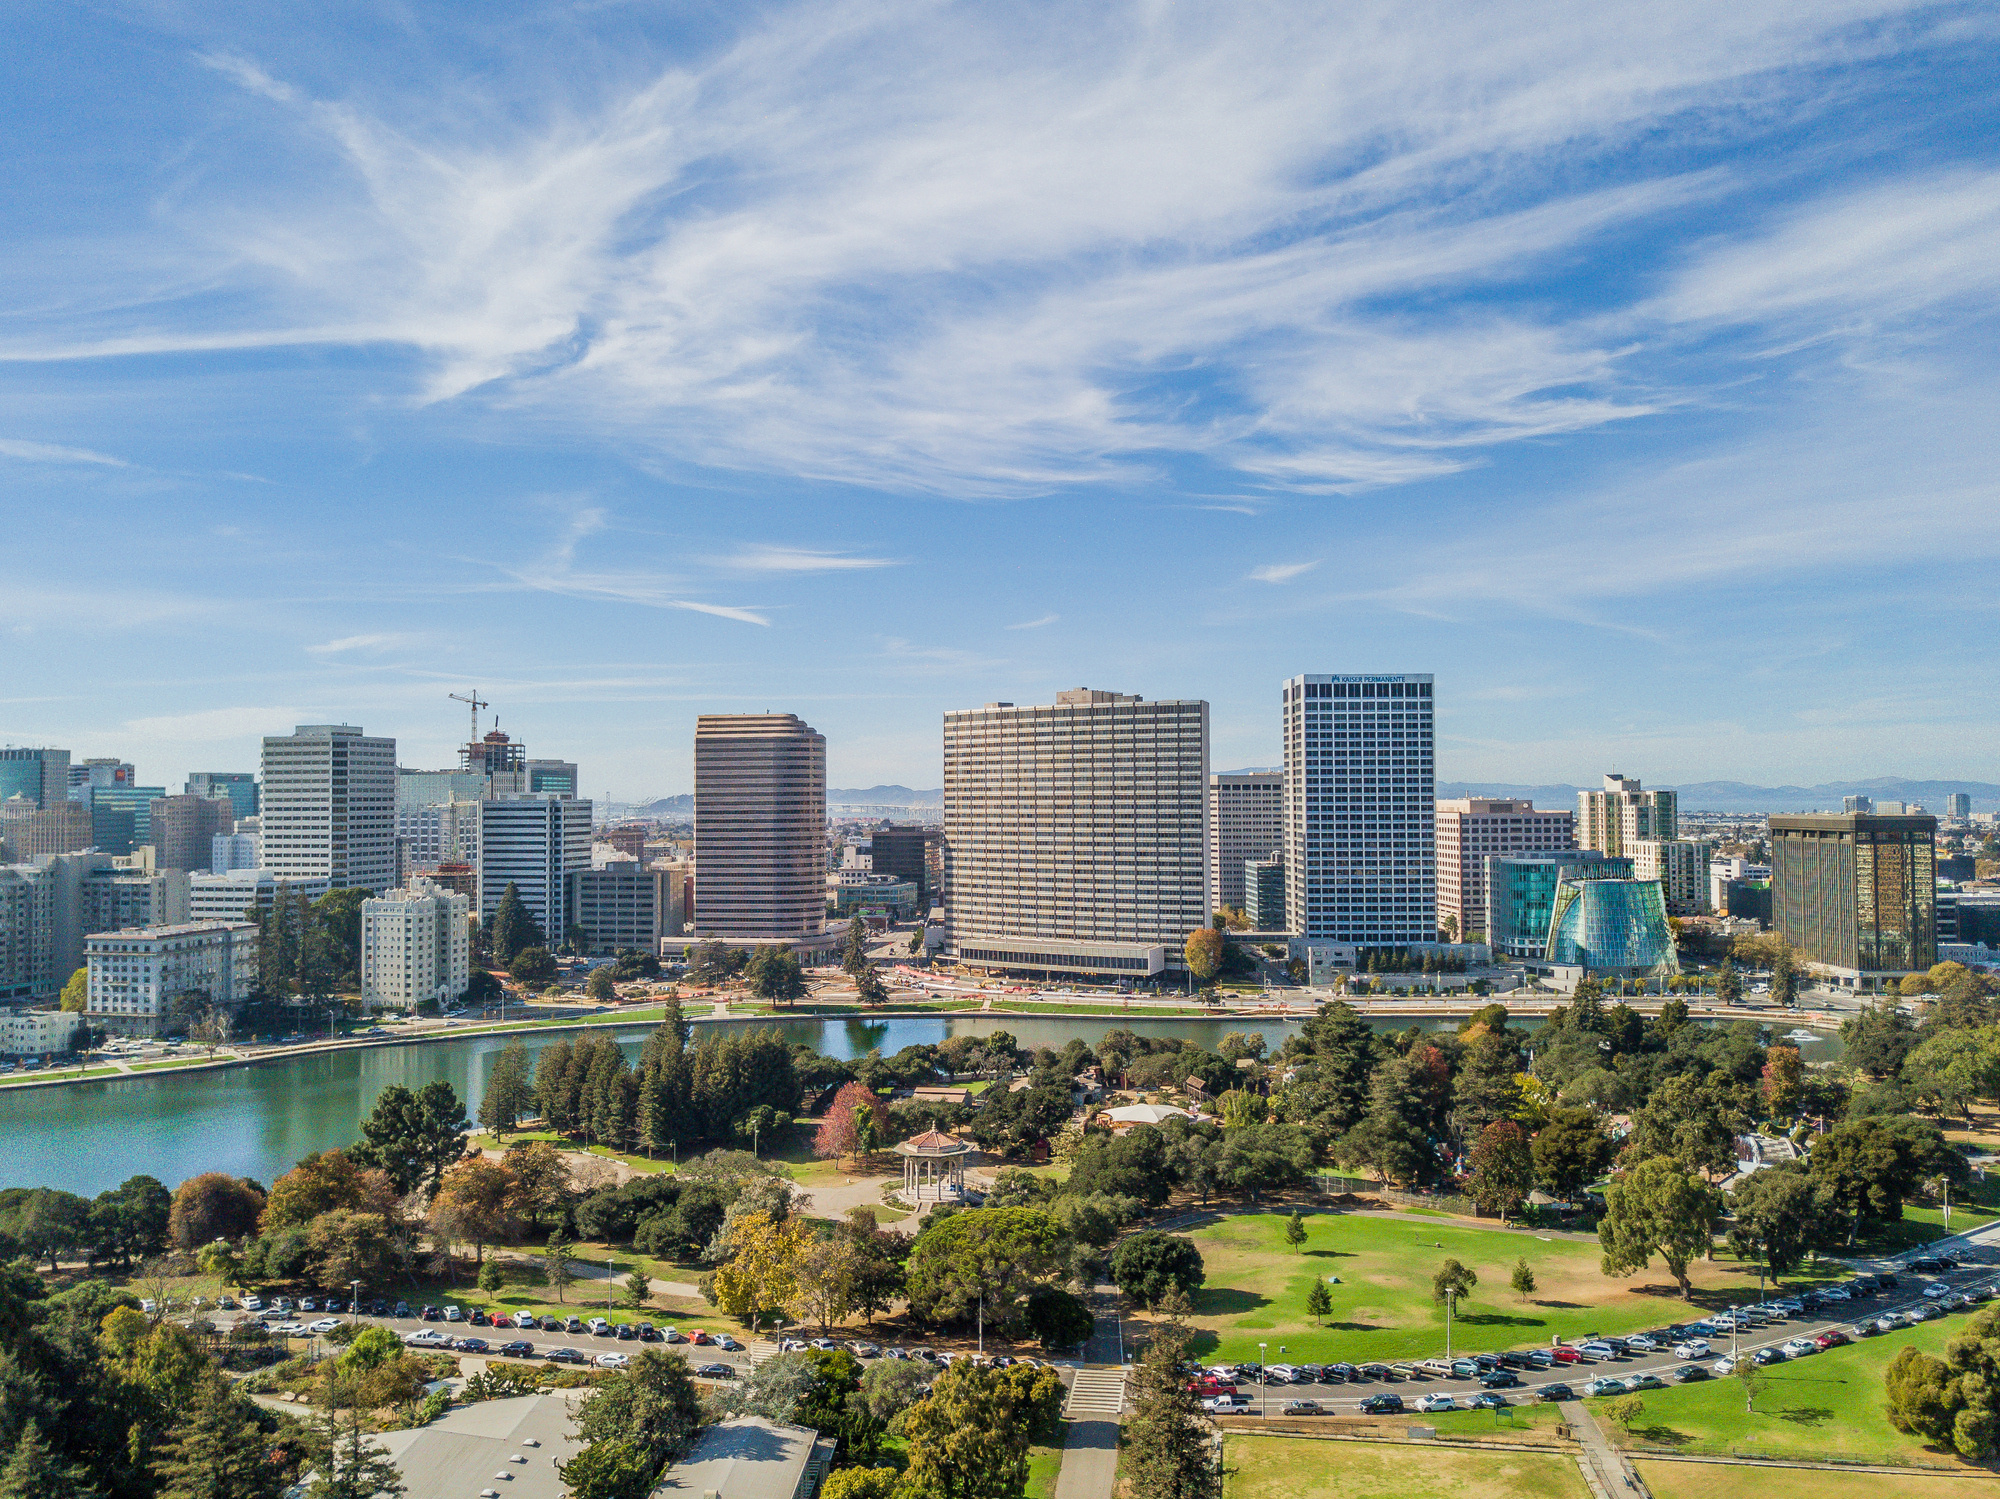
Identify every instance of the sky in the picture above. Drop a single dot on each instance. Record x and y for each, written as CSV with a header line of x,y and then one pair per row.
x,y
1630,367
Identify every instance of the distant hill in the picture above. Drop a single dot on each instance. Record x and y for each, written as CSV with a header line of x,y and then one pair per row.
x,y
1739,796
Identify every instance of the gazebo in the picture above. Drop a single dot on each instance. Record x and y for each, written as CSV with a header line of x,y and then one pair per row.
x,y
933,1163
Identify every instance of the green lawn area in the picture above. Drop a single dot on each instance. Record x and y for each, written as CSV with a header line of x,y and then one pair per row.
x,y
1825,1406
1382,1308
1716,1481
1258,1467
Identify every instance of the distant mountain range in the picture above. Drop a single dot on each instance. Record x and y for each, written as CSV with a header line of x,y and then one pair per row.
x,y
1739,796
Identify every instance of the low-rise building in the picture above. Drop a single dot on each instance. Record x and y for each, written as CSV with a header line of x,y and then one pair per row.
x,y
416,946
148,981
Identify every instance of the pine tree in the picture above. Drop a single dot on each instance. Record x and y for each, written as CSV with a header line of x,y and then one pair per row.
x,y
509,1092
354,1467
218,1451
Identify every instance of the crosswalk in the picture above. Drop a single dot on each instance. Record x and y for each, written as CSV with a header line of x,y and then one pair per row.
x,y
1096,1393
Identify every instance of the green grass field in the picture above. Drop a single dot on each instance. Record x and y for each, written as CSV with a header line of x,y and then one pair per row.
x,y
1257,1467
1826,1406
1382,1308
1717,1481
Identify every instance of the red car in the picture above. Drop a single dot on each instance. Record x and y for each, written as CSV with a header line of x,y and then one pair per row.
x,y
1564,1354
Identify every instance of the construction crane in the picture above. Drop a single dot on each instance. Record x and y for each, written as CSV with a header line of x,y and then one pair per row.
x,y
476,703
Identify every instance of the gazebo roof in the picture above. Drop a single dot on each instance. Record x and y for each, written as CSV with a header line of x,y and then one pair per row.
x,y
932,1142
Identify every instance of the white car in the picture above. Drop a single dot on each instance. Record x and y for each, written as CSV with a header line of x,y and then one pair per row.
x,y
1693,1348
1433,1403
611,1361
325,1324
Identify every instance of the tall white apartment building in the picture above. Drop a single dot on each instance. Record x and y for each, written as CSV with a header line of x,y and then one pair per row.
x,y
537,844
1075,835
1472,829
416,945
760,828
329,807
1360,810
1681,867
1246,821
142,980
1624,810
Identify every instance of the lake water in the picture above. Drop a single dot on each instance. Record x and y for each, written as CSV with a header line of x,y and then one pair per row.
x,y
258,1121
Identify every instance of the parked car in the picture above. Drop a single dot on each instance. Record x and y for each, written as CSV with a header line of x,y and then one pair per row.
x,y
1431,1404
1382,1405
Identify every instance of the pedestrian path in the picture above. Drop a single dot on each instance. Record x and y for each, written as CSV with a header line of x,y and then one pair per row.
x,y
1096,1392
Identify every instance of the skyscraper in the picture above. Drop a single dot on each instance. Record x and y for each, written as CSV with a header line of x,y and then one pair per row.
x,y
1470,830
1622,810
1076,835
329,807
759,828
1360,810
1246,822
1856,892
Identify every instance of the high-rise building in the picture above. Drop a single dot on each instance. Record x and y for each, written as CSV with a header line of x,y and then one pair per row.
x,y
329,807
416,946
29,831
239,787
536,844
1246,821
1521,894
185,827
1360,810
1958,806
1471,830
151,980
40,775
912,853
1076,835
759,828
1681,867
1622,810
1855,893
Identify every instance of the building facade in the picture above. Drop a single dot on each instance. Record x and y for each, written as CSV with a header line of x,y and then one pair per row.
x,y
238,787
185,828
1471,830
1612,927
416,946
1521,894
1246,824
151,980
328,808
1856,893
760,828
1680,865
1360,810
913,853
1075,834
1624,810
537,844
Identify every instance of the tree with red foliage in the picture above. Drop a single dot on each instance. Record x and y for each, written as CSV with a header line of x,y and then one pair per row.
x,y
855,1124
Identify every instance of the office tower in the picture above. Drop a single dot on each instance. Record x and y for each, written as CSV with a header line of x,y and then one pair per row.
x,y
238,786
1958,806
1075,835
1622,810
329,805
1615,927
1471,830
537,844
1264,894
1360,810
1856,892
1246,821
184,829
622,904
40,775
759,828
1521,894
914,854
1681,867
153,980
416,945
29,832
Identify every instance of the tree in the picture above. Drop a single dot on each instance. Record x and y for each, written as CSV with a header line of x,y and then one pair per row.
x,y
600,986
213,1206
969,1438
1295,1230
1167,1444
354,1468
1657,1207
1203,953
534,967
1522,1281
218,1450
510,1091
1570,1151
1148,1264
775,975
413,1137
1503,1168
76,992
513,927
982,1263
761,1275
1319,1300
556,1255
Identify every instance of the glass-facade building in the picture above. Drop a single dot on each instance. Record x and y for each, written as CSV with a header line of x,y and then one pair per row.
x,y
1856,892
1521,894
1612,926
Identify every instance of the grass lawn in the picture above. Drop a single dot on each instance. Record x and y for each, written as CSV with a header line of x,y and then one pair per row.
x,y
1828,1405
1277,1468
1382,1308
1716,1481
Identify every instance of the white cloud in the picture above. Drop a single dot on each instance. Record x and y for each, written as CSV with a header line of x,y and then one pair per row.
x,y
1036,624
1281,572
49,452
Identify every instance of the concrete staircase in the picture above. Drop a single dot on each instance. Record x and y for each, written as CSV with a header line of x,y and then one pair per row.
x,y
1096,1394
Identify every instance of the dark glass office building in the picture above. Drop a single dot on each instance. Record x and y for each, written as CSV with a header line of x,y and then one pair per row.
x,y
1856,892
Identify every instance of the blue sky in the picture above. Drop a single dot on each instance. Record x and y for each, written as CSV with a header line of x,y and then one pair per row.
x,y
1630,367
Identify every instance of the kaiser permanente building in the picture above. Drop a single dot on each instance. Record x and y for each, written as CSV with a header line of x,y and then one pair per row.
x,y
1076,835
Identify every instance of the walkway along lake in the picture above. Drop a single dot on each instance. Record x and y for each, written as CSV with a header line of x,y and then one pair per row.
x,y
258,1121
